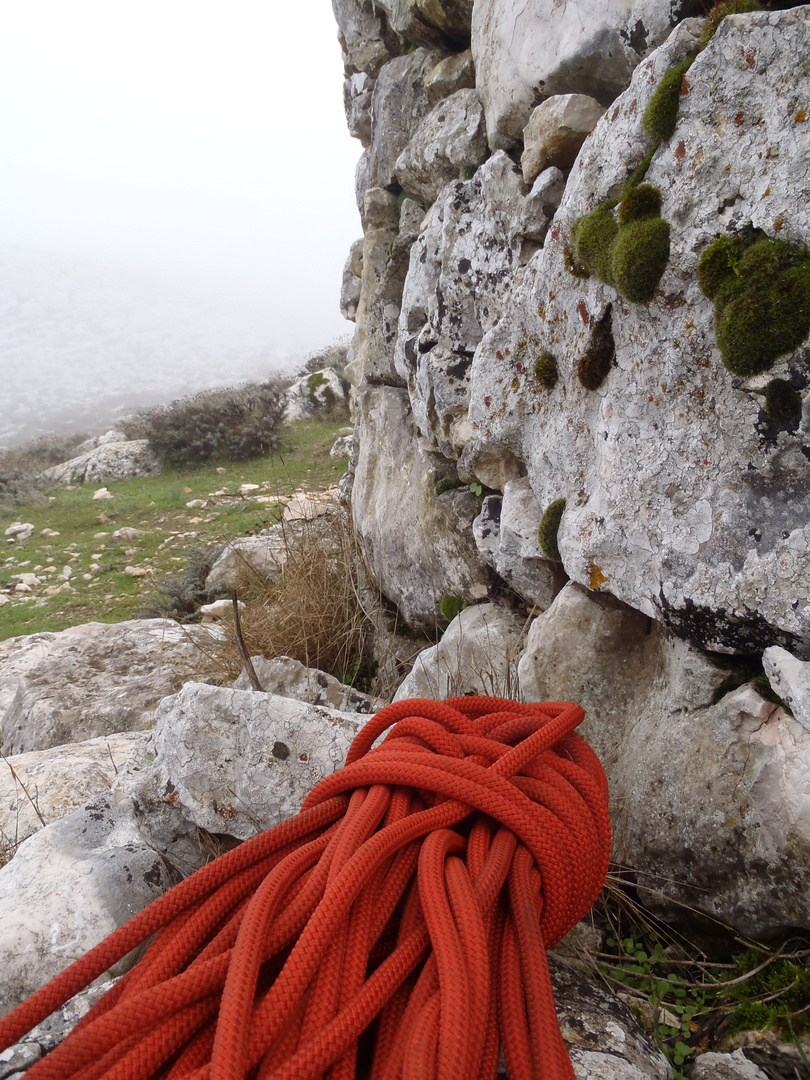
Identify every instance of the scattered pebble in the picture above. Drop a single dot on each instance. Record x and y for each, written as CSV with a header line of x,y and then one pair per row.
x,y
48,532
135,571
19,530
21,587
221,470
127,533
195,503
103,493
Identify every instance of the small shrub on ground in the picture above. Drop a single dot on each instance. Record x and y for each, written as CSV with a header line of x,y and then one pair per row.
x,y
229,424
21,466
180,598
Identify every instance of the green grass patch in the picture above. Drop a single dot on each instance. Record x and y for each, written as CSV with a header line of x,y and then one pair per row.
x,y
99,589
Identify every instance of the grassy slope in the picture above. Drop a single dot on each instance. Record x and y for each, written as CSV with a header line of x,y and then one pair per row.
x,y
158,507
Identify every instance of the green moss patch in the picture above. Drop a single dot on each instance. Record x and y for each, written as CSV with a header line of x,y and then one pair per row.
x,y
719,12
597,360
783,402
661,115
640,256
549,528
761,293
450,607
545,369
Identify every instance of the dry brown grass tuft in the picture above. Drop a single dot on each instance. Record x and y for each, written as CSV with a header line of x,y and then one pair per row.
x,y
311,610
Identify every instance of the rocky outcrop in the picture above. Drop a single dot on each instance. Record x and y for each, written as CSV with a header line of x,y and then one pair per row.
x,y
477,654
91,680
317,393
289,678
430,554
527,51
556,131
108,461
67,888
38,787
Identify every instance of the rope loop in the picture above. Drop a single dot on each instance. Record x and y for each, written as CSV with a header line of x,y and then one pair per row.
x,y
395,929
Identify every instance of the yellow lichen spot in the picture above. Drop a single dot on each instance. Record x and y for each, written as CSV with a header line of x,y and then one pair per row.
x,y
777,225
767,191
596,579
801,116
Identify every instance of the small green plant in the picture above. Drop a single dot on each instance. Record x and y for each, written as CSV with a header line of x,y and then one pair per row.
x,y
549,528
661,115
783,402
545,369
450,607
719,12
597,359
477,490
761,293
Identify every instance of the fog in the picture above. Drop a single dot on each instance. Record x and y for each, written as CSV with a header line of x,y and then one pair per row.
x,y
162,150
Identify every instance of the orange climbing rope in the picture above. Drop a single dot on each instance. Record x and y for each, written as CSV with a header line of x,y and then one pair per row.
x,y
395,929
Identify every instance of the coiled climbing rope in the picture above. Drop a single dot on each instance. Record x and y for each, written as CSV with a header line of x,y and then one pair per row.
x,y
396,928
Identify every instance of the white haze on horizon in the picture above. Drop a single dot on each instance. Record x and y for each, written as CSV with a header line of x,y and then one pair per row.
x,y
196,148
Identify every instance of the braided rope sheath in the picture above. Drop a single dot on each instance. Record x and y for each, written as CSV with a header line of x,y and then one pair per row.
x,y
395,929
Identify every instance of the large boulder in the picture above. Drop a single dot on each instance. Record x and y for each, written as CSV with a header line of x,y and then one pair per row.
x,y
289,678
477,654
418,544
109,461
234,762
429,21
449,144
707,779
365,36
525,51
682,498
318,393
67,888
92,680
556,131
41,786
259,557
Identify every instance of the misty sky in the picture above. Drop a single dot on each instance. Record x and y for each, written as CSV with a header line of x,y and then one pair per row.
x,y
199,141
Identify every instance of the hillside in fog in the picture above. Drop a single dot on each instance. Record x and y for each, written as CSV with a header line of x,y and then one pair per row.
x,y
79,341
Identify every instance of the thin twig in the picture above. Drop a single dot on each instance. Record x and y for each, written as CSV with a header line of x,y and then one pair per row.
x,y
240,644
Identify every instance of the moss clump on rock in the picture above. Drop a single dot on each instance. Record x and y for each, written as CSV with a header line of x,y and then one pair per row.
x,y
596,361
545,369
761,293
640,256
639,202
592,239
450,606
549,528
719,12
783,402
661,115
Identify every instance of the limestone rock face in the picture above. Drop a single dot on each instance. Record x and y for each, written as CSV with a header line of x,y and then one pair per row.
x,y
506,535
682,498
477,655
357,93
527,51
235,761
734,1066
91,680
449,142
365,37
419,545
457,72
263,556
110,461
289,678
44,785
463,265
350,284
67,888
790,679
555,132
429,21
399,105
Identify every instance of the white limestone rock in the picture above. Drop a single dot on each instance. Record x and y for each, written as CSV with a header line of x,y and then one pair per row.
x,y
110,461
734,1066
429,21
463,266
350,284
541,203
289,678
111,436
41,786
67,888
477,654
556,131
449,144
261,557
357,93
91,680
315,393
457,72
527,50
418,545
681,500
790,679
505,533
365,37
399,105
235,761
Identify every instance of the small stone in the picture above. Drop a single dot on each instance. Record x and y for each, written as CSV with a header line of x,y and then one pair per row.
x,y
187,490
87,577
245,489
29,579
221,469
127,533
49,570
20,587
20,530
97,555
194,503
103,493
48,532
4,599
135,571
94,567
66,573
